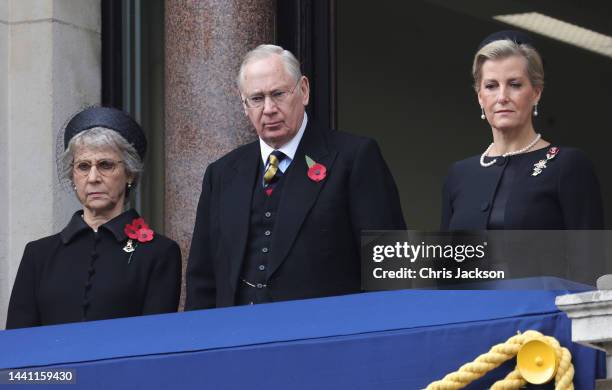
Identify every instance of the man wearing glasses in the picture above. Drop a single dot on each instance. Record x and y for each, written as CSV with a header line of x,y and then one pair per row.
x,y
281,218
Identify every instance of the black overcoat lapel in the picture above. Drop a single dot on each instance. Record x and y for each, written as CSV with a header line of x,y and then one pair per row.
x,y
235,212
299,193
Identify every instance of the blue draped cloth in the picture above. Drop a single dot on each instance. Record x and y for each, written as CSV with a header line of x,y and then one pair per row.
x,y
384,340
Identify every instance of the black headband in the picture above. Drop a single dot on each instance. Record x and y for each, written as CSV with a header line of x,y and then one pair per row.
x,y
513,35
110,118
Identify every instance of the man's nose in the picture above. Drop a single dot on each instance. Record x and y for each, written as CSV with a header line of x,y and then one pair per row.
x,y
269,105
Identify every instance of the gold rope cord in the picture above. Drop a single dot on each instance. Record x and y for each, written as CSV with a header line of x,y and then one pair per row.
x,y
500,353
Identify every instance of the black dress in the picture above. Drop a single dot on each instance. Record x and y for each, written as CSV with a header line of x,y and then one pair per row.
x,y
565,195
82,275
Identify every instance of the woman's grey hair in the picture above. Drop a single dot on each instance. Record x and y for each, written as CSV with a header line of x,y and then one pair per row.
x,y
101,138
292,65
506,48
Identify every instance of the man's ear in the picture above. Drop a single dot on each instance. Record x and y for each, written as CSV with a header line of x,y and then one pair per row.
x,y
305,90
244,107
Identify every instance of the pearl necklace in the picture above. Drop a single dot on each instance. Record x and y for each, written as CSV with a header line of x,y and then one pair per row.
x,y
526,148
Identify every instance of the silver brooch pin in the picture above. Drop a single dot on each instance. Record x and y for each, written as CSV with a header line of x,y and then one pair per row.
x,y
129,247
541,165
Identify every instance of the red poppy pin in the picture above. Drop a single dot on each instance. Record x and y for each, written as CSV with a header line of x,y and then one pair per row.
x,y
316,171
137,230
552,152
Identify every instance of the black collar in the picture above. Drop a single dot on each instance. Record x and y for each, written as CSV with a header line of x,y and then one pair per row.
x,y
115,225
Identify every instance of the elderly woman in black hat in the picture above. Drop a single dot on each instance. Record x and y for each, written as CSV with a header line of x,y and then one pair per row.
x,y
520,181
106,263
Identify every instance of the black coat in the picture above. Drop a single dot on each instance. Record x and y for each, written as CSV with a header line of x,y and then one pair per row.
x,y
315,247
564,196
66,278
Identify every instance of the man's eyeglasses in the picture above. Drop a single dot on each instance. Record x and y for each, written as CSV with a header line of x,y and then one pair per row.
x,y
103,167
278,96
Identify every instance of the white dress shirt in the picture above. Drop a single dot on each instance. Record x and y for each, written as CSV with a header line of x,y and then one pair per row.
x,y
288,149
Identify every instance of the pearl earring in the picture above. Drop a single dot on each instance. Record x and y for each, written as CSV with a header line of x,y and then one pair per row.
x,y
482,114
535,110
129,185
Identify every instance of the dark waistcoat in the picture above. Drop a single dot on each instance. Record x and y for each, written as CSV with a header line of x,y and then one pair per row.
x,y
252,286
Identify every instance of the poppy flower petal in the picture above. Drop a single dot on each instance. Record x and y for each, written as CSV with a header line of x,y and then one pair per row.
x,y
317,172
145,235
130,231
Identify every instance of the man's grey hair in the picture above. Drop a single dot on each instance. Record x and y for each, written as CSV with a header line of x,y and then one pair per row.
x,y
292,65
102,138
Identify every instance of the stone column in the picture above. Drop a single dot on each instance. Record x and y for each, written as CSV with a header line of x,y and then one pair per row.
x,y
205,42
49,68
591,315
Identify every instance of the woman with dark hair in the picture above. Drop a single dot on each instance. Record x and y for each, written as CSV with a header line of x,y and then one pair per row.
x,y
106,263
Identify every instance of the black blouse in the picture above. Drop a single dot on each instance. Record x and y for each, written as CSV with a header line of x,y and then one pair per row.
x,y
82,275
565,195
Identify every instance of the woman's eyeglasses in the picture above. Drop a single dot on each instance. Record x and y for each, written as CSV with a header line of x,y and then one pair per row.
x,y
103,167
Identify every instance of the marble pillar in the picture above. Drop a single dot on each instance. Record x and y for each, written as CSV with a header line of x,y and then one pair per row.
x,y
49,68
204,119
